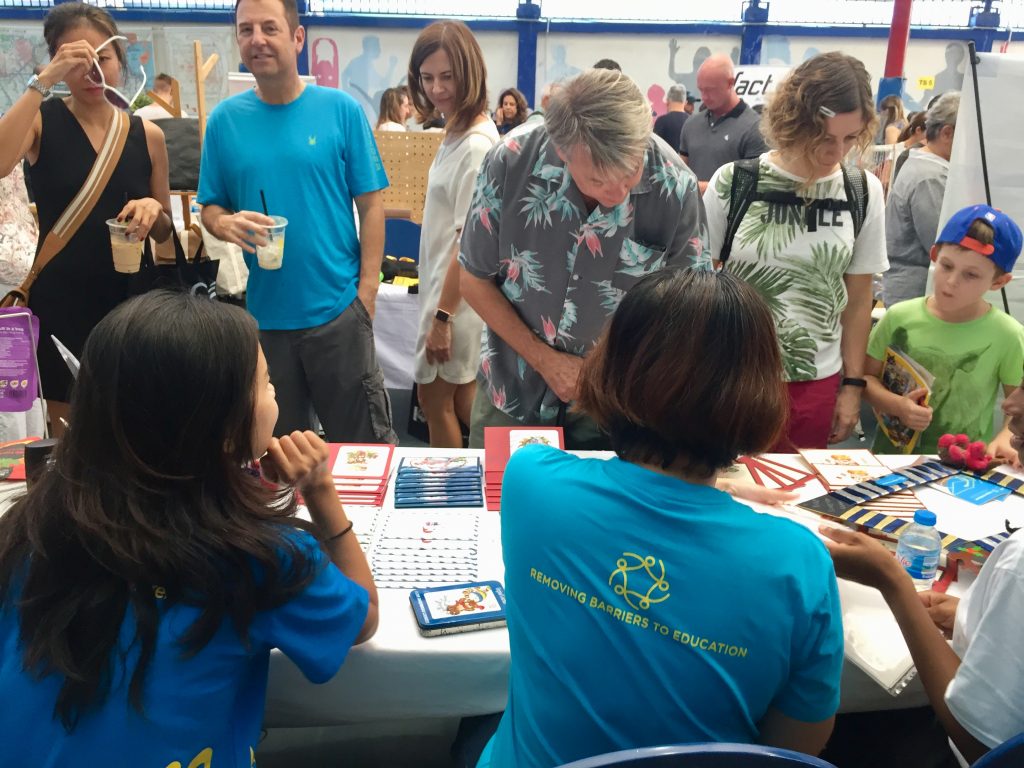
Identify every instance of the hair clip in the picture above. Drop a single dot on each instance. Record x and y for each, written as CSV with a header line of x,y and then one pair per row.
x,y
826,111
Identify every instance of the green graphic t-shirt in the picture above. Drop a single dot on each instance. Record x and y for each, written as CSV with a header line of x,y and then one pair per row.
x,y
968,360
799,271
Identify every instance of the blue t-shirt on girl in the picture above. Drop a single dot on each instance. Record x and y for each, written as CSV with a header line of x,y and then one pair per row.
x,y
207,707
644,610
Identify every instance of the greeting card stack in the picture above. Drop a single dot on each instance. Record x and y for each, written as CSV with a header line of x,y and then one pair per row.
x,y
361,472
500,443
439,481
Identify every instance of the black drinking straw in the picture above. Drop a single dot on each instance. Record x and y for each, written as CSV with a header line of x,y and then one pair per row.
x,y
263,199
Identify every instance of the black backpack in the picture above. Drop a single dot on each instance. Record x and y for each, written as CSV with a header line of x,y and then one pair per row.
x,y
744,191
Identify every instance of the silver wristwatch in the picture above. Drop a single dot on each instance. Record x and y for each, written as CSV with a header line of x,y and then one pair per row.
x,y
38,87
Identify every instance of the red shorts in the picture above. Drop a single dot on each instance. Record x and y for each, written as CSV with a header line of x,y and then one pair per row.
x,y
811,405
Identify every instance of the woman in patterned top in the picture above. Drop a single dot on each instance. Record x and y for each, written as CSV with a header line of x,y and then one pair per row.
x,y
798,245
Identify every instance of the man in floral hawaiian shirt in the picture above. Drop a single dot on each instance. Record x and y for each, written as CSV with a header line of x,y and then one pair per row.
x,y
564,220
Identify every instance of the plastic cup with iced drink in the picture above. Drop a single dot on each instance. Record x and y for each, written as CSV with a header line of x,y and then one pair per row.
x,y
269,256
127,248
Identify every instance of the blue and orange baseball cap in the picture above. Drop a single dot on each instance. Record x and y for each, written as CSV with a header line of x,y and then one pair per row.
x,y
1006,241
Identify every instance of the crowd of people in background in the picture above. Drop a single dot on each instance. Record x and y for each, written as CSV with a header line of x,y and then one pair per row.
x,y
680,291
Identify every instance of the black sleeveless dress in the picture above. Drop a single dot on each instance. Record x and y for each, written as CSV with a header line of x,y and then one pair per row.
x,y
79,286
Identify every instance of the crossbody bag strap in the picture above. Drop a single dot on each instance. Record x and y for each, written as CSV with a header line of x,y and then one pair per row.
x,y
84,202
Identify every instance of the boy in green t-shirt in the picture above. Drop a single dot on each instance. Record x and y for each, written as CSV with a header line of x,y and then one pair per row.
x,y
963,341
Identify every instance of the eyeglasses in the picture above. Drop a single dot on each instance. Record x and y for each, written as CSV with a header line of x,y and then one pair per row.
x,y
113,96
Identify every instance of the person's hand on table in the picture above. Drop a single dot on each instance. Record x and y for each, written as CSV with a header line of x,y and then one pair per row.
x,y
911,413
1001,448
246,229
439,342
858,557
845,415
941,609
298,459
756,493
141,214
561,372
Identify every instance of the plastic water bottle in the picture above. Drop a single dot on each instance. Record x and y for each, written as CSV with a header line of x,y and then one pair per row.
x,y
919,548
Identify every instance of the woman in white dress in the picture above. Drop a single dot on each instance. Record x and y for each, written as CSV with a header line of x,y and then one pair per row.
x,y
447,75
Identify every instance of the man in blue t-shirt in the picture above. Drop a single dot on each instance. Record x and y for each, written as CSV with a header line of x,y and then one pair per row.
x,y
309,152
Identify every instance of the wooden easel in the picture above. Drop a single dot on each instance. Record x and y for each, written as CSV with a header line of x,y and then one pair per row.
x,y
173,108
203,69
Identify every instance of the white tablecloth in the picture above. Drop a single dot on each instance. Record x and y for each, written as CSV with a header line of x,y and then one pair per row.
x,y
399,674
394,330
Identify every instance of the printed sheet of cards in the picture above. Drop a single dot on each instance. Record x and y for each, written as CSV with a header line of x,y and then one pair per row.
x,y
361,472
426,547
439,481
430,538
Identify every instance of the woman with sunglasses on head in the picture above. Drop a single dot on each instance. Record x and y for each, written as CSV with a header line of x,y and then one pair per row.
x,y
810,239
447,75
61,138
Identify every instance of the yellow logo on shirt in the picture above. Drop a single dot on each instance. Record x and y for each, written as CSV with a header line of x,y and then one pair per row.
x,y
312,141
640,580
203,760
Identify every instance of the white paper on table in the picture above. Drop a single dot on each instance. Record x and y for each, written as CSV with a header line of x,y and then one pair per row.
x,y
972,521
874,641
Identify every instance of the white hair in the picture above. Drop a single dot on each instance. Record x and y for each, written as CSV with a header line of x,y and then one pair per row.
x,y
603,111
941,113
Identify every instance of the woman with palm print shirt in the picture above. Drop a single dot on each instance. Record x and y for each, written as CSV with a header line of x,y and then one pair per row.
x,y
804,257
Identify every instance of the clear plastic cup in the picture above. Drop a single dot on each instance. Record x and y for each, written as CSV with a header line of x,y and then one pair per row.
x,y
127,248
269,256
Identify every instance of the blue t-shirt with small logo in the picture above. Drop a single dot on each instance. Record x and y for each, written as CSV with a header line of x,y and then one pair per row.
x,y
202,710
310,158
644,610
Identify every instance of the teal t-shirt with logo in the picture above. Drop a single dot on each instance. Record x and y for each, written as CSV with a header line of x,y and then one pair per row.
x,y
310,158
644,610
968,360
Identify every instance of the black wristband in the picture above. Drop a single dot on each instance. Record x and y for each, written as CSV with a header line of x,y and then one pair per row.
x,y
340,533
849,381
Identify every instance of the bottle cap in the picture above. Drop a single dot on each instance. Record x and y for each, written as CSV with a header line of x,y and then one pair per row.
x,y
924,517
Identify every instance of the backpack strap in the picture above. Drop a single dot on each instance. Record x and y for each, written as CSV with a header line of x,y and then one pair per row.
x,y
855,182
744,186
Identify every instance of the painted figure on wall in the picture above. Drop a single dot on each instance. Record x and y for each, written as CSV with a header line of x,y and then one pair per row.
x,y
686,79
363,81
952,77
325,62
560,69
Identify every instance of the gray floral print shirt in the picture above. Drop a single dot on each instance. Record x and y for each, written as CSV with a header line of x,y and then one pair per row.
x,y
562,269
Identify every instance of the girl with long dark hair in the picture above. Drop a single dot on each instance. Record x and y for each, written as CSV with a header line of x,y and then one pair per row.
x,y
146,575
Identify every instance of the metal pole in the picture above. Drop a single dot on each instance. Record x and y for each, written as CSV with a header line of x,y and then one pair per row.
x,y
892,79
973,53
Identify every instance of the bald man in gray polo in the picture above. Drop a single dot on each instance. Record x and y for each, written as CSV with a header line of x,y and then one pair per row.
x,y
727,130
